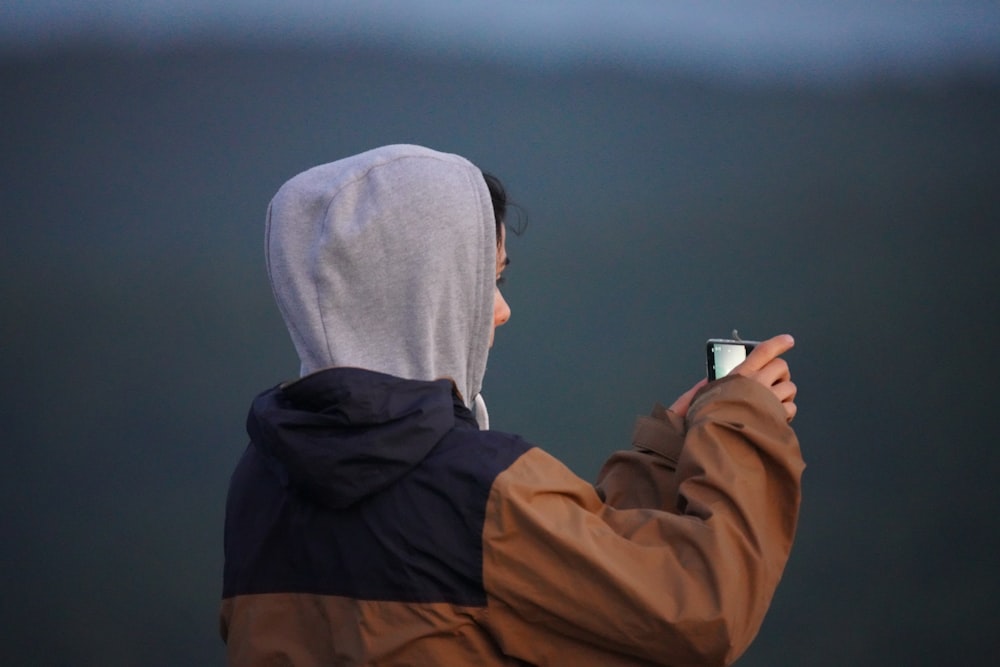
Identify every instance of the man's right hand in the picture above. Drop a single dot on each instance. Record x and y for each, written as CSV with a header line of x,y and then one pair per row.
x,y
765,365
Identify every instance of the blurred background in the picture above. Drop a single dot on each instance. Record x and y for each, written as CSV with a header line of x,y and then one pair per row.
x,y
830,169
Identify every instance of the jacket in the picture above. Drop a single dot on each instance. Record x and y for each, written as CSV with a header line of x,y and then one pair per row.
x,y
371,522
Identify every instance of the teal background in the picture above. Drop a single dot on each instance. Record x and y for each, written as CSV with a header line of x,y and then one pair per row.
x,y
663,209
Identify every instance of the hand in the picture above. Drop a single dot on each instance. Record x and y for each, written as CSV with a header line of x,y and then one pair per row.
x,y
765,365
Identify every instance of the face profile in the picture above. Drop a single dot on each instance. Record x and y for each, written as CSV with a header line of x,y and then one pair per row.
x,y
501,309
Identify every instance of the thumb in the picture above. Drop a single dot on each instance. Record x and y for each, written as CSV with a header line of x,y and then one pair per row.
x,y
681,405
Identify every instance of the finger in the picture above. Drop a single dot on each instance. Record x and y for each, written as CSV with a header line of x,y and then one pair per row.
x,y
785,391
765,352
774,372
790,410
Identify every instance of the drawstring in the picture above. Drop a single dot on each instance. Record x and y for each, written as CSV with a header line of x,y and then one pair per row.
x,y
480,413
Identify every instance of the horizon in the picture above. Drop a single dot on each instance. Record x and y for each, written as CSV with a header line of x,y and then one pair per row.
x,y
817,42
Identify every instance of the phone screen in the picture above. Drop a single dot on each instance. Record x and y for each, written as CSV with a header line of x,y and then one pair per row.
x,y
724,356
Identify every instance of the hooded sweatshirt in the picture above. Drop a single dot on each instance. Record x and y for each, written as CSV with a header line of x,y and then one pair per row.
x,y
371,521
386,260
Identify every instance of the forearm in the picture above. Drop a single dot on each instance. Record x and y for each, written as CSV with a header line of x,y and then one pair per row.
x,y
734,466
740,474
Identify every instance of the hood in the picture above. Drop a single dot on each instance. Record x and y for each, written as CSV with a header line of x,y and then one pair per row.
x,y
342,434
386,260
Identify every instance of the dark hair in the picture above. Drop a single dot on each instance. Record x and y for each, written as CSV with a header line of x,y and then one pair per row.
x,y
498,194
499,197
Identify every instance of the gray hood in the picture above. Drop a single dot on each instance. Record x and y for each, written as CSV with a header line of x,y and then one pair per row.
x,y
386,260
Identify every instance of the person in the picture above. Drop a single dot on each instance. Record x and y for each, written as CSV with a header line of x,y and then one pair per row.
x,y
374,519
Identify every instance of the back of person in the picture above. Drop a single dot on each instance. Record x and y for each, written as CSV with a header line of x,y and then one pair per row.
x,y
364,543
375,520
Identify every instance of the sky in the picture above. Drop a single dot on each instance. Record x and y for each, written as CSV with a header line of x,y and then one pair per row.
x,y
753,40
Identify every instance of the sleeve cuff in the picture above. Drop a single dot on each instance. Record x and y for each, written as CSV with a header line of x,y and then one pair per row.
x,y
661,432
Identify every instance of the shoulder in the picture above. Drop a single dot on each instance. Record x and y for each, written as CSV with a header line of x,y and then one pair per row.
x,y
468,455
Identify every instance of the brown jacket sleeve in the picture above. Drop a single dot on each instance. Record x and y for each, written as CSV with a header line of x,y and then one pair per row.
x,y
646,475
679,570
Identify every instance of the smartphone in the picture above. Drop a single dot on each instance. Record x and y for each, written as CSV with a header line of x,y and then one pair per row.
x,y
724,355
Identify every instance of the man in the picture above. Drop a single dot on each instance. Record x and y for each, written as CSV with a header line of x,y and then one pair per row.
x,y
374,520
